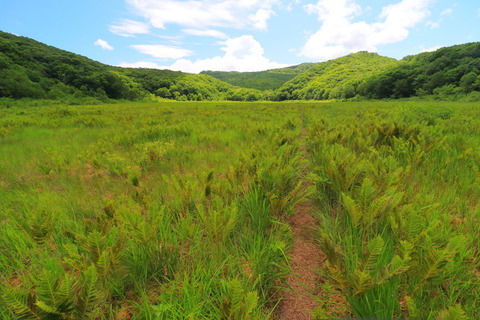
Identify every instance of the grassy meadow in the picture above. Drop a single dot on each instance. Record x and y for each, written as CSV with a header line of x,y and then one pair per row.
x,y
179,210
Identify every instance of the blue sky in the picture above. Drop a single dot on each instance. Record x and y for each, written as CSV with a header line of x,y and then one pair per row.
x,y
241,35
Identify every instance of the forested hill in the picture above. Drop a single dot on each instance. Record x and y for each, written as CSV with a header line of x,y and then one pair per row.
x,y
448,72
336,78
32,69
262,80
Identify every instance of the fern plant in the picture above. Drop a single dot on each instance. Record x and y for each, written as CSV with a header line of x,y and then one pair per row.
x,y
51,298
54,297
218,220
86,299
238,304
453,313
22,303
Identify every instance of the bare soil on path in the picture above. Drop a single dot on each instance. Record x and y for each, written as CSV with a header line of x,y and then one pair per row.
x,y
299,300
305,284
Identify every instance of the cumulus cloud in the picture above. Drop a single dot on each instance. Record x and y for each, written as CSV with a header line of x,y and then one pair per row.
x,y
339,34
129,28
205,33
103,44
204,14
240,54
162,51
259,19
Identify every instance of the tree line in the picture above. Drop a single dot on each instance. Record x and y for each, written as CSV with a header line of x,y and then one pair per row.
x,y
30,69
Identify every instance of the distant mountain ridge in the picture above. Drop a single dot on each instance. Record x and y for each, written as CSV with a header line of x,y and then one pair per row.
x,y
30,69
262,80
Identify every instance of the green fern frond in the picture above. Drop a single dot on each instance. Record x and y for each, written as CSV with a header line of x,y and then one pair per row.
x,y
413,312
104,263
236,292
366,192
95,244
22,303
415,225
353,209
455,244
453,313
407,253
87,295
73,257
374,249
434,265
396,266
337,275
47,308
251,302
64,292
334,255
47,288
237,304
55,295
361,281
377,208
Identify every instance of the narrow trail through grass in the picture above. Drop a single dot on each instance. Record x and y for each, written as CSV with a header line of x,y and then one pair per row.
x,y
299,300
304,282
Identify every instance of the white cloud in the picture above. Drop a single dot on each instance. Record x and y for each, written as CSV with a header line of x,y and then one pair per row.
x,y
205,33
129,28
406,13
241,54
140,64
433,25
339,34
259,19
204,14
103,44
340,9
175,40
162,51
431,49
446,12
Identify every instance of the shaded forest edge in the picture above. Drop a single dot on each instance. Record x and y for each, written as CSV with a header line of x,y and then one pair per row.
x,y
30,69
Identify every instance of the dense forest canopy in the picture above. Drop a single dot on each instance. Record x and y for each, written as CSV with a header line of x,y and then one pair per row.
x,y
447,71
338,78
30,69
261,80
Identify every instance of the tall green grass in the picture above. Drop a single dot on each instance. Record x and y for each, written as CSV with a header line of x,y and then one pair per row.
x,y
155,211
178,210
398,199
